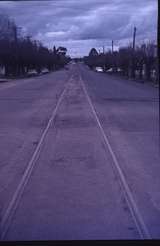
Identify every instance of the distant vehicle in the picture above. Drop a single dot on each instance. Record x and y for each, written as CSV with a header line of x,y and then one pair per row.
x,y
119,70
72,62
44,71
110,70
99,69
32,73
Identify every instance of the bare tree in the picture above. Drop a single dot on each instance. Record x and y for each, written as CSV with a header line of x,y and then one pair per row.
x,y
19,54
143,56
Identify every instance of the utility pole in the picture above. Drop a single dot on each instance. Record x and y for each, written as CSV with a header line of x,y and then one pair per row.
x,y
134,37
133,53
103,49
112,46
103,59
157,52
18,68
113,61
15,33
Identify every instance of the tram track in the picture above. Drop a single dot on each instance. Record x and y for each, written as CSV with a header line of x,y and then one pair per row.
x,y
5,220
136,215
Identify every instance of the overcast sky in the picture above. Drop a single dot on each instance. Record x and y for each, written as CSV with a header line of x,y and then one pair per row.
x,y
80,25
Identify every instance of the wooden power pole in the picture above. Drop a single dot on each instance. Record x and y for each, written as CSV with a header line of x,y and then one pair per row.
x,y
15,33
133,53
112,46
134,38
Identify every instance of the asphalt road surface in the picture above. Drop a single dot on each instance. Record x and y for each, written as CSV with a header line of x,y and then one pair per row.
x,y
79,158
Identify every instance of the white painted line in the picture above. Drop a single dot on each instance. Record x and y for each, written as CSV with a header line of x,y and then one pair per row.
x,y
6,219
142,228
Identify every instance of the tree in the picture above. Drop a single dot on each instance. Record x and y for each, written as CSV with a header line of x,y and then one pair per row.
x,y
124,58
92,59
149,58
19,55
93,53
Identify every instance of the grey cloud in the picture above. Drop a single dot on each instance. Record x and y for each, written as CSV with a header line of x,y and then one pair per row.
x,y
84,21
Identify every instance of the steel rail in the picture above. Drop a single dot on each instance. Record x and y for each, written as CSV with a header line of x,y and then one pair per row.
x,y
136,215
13,204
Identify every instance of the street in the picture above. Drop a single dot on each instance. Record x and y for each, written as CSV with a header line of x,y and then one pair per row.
x,y
79,157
